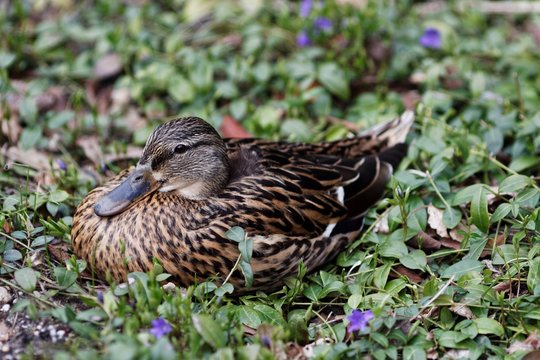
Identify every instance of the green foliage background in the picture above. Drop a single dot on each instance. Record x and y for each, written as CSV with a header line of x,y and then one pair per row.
x,y
454,268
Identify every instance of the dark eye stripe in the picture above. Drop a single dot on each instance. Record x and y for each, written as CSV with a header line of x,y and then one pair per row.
x,y
167,155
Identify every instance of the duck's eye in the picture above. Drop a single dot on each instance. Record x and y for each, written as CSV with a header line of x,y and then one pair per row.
x,y
179,149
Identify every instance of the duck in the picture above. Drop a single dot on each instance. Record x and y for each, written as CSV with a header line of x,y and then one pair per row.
x,y
298,202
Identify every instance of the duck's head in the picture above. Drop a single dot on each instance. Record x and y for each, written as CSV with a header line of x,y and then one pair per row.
x,y
185,155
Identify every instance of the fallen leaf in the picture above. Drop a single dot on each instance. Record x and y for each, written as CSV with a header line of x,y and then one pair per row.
x,y
424,241
503,287
410,274
11,128
532,342
462,310
230,128
132,152
435,220
59,251
450,244
91,148
345,123
31,157
108,67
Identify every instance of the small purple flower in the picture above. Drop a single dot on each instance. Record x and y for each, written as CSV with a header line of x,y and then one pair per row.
x,y
358,320
160,327
100,296
323,23
305,7
62,165
431,38
302,39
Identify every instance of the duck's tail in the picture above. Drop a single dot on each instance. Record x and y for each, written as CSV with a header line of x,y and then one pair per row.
x,y
392,132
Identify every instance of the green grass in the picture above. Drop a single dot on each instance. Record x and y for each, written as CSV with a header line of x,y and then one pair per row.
x,y
450,261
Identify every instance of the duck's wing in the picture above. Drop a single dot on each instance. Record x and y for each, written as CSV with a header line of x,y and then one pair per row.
x,y
313,196
372,141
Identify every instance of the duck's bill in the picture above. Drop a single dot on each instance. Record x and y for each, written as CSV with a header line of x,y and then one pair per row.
x,y
136,186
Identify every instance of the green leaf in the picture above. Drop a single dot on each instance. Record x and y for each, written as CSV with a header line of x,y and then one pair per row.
x,y
30,137
415,260
380,276
6,59
246,249
489,326
26,278
477,243
248,316
333,78
533,277
479,211
248,273
180,89
524,162
462,267
42,240
465,195
414,353
501,212
210,331
236,234
12,255
450,339
514,183
60,119
451,217
393,248
58,196
64,277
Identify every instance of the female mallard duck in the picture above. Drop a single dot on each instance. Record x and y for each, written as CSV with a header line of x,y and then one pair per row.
x,y
298,202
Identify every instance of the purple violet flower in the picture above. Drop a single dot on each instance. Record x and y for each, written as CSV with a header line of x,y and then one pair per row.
x,y
100,296
431,38
323,23
160,327
358,320
62,165
305,7
302,39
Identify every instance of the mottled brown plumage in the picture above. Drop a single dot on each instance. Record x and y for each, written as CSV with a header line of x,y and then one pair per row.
x,y
299,202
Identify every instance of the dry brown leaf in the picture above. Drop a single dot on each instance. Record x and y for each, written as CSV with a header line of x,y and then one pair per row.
x,y
59,251
458,233
11,129
382,227
345,123
232,129
532,342
462,310
91,148
108,67
410,99
435,220
4,332
451,244
35,159
132,152
503,287
53,98
410,274
425,241
120,98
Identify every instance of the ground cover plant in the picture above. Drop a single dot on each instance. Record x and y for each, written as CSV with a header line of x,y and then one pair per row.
x,y
450,263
